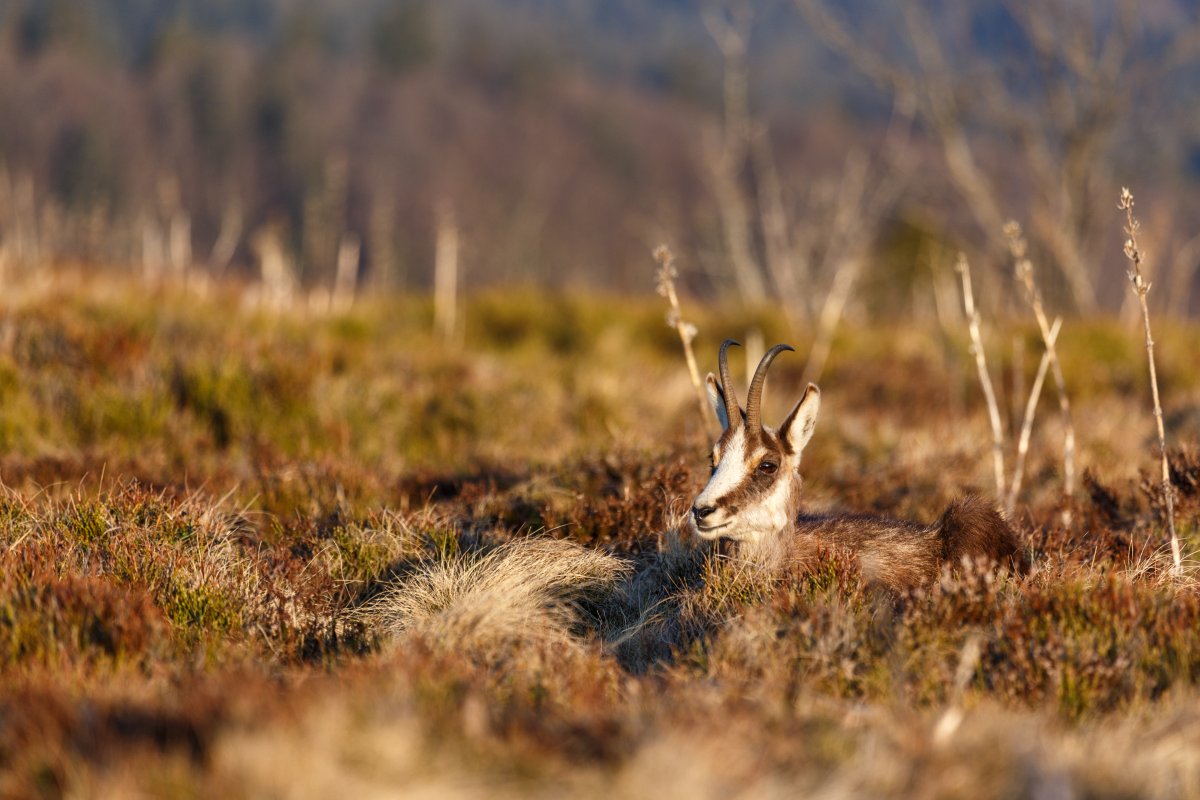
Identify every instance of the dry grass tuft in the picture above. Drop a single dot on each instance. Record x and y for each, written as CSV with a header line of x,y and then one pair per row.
x,y
524,592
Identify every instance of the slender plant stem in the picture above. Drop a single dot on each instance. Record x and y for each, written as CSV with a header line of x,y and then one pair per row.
x,y
952,717
985,378
1027,421
1141,288
1024,269
831,314
687,331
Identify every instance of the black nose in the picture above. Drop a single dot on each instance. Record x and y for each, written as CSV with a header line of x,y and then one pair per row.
x,y
700,512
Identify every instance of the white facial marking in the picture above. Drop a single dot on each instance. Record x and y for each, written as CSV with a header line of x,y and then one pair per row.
x,y
730,472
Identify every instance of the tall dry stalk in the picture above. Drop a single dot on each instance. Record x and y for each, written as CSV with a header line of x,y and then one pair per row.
x,y
225,246
345,281
277,283
756,345
1141,288
445,273
381,239
1019,249
1184,267
985,379
968,661
179,245
1017,369
152,252
844,276
686,330
1027,422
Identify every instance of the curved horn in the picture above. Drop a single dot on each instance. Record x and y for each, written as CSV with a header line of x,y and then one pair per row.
x,y
754,396
731,404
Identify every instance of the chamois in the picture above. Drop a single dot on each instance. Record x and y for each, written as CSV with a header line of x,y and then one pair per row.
x,y
753,499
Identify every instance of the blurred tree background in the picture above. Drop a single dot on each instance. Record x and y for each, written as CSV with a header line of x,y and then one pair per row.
x,y
772,143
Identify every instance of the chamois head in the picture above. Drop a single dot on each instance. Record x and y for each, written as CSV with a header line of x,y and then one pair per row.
x,y
754,490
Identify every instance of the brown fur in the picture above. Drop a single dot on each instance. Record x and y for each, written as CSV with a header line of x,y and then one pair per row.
x,y
971,528
902,555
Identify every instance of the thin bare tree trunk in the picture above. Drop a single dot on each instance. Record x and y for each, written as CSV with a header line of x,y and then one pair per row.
x,y
152,252
1183,276
179,246
278,283
227,239
789,272
381,241
445,273
727,160
831,314
345,282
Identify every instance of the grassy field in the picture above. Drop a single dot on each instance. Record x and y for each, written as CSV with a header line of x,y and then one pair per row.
x,y
249,554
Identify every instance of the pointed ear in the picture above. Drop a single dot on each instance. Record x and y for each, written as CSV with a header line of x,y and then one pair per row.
x,y
717,398
797,429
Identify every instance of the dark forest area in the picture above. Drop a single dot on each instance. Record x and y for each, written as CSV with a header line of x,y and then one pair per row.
x,y
769,142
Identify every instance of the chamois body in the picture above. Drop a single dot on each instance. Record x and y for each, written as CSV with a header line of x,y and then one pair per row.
x,y
753,498
900,554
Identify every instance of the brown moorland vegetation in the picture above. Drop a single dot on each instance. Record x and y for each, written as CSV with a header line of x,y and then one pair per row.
x,y
262,554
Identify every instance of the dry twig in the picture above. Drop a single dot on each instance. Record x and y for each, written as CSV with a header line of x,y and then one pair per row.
x,y
985,379
1027,422
687,331
952,717
1141,288
1024,270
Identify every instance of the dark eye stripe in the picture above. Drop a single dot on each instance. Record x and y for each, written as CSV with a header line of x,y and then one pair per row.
x,y
743,492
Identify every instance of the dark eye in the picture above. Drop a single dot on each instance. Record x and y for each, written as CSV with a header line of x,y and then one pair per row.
x,y
767,467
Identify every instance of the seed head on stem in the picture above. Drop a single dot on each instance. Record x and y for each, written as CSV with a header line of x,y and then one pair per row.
x,y
1141,287
667,273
